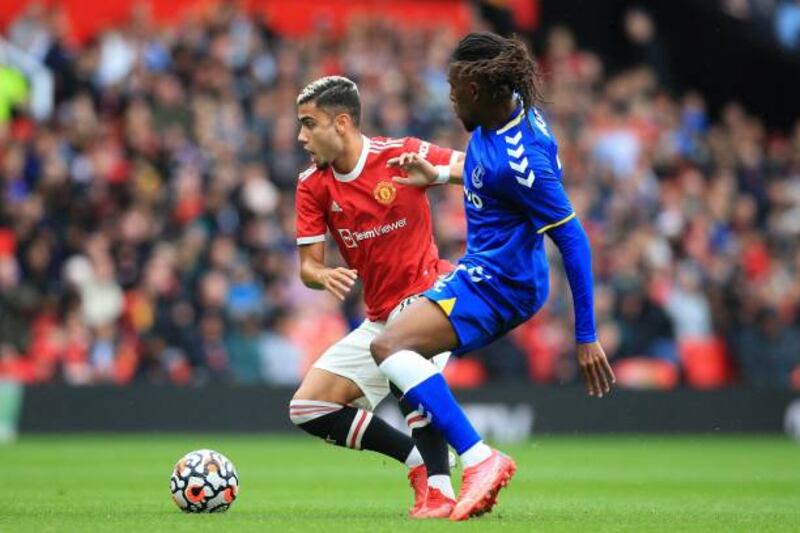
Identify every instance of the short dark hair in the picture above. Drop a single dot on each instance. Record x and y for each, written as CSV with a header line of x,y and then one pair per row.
x,y
500,63
333,92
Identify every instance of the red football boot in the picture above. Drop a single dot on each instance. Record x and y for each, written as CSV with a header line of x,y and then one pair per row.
x,y
436,505
480,485
418,478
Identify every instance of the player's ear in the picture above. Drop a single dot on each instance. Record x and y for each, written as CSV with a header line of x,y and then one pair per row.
x,y
342,122
474,89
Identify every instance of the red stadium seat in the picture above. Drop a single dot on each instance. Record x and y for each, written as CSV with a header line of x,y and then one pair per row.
x,y
464,373
705,362
794,378
646,373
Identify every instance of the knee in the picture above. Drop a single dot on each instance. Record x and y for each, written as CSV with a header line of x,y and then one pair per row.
x,y
383,346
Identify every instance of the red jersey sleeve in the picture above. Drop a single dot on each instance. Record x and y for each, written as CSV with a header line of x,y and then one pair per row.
x,y
310,223
436,155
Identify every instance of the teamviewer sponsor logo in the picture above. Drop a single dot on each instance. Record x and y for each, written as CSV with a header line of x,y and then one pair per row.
x,y
347,237
352,238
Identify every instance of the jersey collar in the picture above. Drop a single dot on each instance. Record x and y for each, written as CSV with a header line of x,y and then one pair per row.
x,y
362,160
516,116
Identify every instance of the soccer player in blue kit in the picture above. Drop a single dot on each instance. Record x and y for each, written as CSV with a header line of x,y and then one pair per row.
x,y
513,198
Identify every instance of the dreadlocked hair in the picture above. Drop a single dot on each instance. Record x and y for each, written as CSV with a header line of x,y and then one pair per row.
x,y
500,63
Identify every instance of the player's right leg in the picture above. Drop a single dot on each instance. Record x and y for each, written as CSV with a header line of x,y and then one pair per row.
x,y
429,327
322,407
336,400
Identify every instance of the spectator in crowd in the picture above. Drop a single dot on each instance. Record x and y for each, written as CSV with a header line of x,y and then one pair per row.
x,y
646,47
767,349
281,359
787,24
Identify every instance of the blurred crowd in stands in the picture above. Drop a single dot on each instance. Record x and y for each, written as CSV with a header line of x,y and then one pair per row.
x,y
147,228
778,20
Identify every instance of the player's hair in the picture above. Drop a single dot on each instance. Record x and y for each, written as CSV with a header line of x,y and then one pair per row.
x,y
500,63
333,92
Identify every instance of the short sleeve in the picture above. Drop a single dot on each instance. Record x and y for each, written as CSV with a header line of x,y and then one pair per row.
x,y
537,188
311,224
436,155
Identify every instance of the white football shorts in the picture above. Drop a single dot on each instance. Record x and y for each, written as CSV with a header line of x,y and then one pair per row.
x,y
351,359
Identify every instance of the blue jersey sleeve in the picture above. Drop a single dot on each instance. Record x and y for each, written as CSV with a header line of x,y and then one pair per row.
x,y
538,191
573,244
536,188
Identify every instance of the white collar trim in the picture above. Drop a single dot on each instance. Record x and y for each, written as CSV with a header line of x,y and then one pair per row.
x,y
362,160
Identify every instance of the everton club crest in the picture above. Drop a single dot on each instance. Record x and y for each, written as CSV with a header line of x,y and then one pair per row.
x,y
477,176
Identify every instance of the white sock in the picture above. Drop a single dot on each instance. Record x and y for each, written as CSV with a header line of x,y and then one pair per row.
x,y
414,458
451,458
477,453
442,482
407,369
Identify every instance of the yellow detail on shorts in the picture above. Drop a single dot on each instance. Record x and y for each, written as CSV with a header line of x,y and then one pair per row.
x,y
447,305
557,224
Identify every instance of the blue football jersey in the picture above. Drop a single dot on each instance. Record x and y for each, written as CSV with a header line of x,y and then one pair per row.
x,y
513,195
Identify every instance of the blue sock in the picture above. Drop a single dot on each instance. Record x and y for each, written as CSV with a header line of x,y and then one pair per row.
x,y
434,396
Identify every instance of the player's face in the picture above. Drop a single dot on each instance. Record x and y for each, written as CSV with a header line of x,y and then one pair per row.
x,y
464,97
319,134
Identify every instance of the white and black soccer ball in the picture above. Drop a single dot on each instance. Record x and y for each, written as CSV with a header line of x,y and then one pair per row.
x,y
204,481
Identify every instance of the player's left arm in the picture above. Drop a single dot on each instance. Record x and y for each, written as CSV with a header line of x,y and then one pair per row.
x,y
427,164
573,244
542,194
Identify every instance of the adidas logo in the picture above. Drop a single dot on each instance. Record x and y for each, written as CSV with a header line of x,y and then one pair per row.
x,y
335,208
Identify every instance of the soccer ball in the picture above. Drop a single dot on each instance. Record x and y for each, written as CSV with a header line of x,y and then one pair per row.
x,y
204,481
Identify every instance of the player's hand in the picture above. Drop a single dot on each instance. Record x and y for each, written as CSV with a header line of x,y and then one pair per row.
x,y
419,171
338,281
596,371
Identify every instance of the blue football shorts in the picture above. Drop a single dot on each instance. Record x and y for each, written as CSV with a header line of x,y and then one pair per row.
x,y
477,306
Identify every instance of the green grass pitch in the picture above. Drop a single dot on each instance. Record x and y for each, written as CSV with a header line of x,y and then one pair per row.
x,y
121,483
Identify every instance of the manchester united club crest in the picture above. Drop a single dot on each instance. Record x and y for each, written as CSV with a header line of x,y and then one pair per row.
x,y
385,192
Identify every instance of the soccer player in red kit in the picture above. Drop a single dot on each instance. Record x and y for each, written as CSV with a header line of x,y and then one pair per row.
x,y
384,233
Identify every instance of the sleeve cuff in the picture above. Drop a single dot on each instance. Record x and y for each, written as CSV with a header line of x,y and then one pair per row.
x,y
310,240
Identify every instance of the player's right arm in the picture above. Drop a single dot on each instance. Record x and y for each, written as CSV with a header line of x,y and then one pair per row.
x,y
311,229
315,275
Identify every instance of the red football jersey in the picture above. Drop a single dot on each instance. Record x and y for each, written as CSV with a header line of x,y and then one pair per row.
x,y
383,229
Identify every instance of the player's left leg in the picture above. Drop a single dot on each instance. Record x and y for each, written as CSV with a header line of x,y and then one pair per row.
x,y
430,442
439,498
401,352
